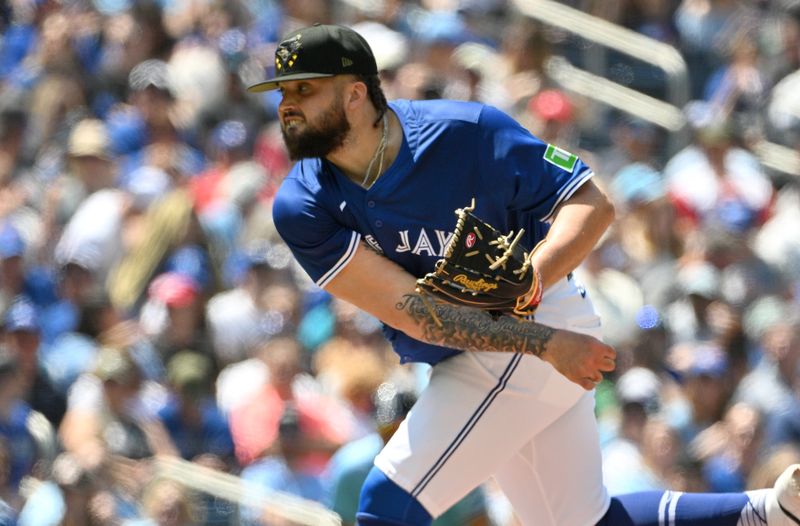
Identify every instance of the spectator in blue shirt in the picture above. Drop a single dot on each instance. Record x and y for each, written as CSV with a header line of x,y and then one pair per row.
x,y
23,337
283,470
14,415
192,418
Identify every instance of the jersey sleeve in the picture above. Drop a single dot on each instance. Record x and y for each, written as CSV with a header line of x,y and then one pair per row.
x,y
321,245
540,176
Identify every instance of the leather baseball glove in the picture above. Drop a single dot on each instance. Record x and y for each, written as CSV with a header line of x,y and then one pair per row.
x,y
484,268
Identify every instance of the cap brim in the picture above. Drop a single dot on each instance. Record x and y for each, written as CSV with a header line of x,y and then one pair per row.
x,y
77,154
273,83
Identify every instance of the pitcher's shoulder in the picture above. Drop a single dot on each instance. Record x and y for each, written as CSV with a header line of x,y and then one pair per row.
x,y
421,112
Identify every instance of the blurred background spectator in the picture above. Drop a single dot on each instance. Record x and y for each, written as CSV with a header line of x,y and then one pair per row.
x,y
23,339
150,309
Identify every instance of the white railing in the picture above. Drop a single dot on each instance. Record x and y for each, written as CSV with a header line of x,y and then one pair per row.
x,y
613,36
615,95
289,508
668,115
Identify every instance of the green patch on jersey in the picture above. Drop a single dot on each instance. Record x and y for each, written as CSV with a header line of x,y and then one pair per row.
x,y
561,158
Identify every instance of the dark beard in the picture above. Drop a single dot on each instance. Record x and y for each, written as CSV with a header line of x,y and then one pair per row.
x,y
318,140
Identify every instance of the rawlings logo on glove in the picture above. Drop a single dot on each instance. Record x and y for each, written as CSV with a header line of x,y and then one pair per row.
x,y
480,285
485,269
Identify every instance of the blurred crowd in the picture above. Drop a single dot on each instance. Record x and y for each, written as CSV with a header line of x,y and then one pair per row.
x,y
150,311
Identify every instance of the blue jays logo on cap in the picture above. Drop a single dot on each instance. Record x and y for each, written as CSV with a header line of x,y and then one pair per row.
x,y
286,55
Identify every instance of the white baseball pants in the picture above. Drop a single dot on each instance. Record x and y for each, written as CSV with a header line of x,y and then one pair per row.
x,y
510,416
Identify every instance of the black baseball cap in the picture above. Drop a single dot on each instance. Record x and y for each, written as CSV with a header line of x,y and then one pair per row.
x,y
320,51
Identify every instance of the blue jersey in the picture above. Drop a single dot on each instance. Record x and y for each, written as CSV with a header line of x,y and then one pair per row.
x,y
451,152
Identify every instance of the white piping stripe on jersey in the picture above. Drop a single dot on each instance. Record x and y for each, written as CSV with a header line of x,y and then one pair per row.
x,y
673,506
343,261
570,189
662,508
437,466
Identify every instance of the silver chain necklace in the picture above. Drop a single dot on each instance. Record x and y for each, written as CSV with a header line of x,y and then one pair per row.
x,y
379,152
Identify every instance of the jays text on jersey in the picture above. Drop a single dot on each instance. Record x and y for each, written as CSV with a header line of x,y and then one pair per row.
x,y
451,152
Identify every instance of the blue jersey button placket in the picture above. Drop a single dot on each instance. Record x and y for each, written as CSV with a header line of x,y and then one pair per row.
x,y
377,223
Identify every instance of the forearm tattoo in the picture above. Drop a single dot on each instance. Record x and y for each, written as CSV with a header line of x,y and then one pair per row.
x,y
469,329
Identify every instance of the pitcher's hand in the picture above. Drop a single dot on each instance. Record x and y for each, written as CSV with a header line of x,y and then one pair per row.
x,y
581,358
